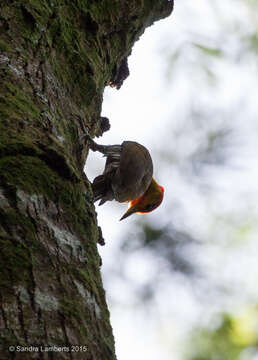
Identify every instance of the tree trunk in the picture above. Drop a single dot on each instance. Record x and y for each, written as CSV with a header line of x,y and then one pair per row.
x,y
56,57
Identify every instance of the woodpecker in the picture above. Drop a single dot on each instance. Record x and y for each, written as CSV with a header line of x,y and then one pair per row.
x,y
127,177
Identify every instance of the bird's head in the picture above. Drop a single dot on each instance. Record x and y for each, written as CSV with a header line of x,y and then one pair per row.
x,y
146,203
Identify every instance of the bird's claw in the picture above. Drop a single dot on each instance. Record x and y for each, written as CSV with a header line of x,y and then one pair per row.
x,y
88,141
102,201
85,135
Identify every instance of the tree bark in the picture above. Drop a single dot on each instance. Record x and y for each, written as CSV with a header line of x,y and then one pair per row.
x,y
56,57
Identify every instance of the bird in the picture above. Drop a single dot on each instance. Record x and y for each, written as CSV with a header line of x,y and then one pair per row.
x,y
127,177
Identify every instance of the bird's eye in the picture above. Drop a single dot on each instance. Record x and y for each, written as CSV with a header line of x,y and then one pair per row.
x,y
149,207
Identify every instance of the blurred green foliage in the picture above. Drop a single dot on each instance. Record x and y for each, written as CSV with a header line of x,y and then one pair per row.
x,y
233,337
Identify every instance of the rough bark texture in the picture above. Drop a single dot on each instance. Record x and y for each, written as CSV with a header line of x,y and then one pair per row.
x,y
56,57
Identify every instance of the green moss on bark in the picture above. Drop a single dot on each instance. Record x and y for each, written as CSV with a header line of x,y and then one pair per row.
x,y
16,103
16,248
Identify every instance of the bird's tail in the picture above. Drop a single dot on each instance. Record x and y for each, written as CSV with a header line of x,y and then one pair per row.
x,y
101,189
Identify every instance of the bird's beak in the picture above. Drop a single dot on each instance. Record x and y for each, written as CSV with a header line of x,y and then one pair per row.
x,y
129,212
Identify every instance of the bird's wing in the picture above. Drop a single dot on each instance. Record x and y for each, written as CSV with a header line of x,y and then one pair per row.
x,y
134,174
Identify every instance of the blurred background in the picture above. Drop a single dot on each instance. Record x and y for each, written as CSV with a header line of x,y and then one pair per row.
x,y
182,282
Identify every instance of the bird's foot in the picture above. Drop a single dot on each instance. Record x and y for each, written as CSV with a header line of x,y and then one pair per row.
x,y
92,144
85,136
88,140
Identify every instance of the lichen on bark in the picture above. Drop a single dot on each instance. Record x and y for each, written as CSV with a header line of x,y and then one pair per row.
x,y
56,57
